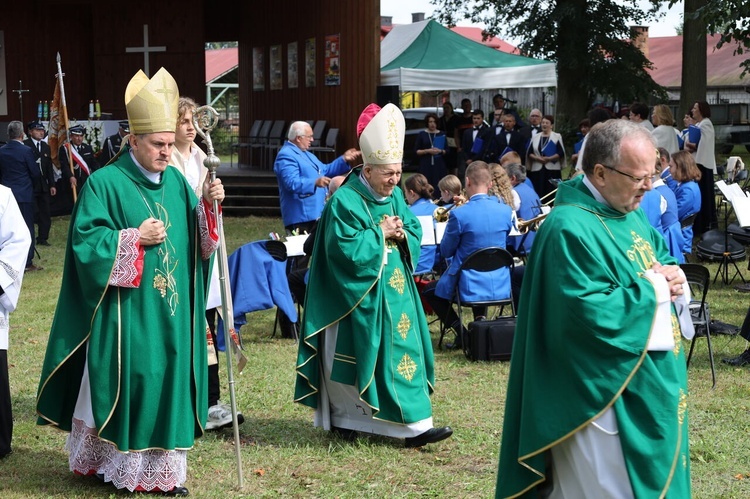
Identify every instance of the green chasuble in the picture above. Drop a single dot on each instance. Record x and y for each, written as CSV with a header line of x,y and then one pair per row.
x,y
364,283
146,344
584,320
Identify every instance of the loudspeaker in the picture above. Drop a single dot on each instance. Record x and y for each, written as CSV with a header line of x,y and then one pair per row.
x,y
387,94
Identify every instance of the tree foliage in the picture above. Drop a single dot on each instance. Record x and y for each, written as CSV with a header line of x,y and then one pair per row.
x,y
220,45
588,40
730,19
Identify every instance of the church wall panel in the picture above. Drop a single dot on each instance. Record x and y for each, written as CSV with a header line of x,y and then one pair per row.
x,y
357,24
92,35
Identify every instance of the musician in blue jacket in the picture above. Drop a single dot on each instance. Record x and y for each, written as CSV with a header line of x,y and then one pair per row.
x,y
686,173
531,206
480,223
303,179
418,192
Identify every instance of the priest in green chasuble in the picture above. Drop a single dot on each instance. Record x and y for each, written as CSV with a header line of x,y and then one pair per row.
x,y
597,393
125,369
365,360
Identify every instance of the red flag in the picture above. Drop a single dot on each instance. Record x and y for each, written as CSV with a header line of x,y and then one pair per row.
x,y
57,131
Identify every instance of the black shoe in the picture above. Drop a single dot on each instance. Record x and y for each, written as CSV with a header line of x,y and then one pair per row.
x,y
240,420
43,243
429,437
458,342
344,433
177,492
741,360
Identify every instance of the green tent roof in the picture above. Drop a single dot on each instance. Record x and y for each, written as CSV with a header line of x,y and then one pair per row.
x,y
437,47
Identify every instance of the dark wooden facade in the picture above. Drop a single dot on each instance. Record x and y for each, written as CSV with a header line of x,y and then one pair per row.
x,y
92,35
357,24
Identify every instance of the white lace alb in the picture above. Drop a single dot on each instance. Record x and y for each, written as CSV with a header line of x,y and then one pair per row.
x,y
147,470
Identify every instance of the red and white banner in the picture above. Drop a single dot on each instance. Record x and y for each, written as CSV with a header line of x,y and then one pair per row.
x,y
78,159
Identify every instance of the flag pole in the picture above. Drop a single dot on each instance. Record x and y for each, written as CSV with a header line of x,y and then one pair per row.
x,y
64,112
205,119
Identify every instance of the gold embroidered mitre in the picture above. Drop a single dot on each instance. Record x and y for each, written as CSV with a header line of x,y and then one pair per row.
x,y
152,103
382,140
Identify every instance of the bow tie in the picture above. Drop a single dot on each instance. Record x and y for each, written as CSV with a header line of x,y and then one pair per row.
x,y
535,127
477,128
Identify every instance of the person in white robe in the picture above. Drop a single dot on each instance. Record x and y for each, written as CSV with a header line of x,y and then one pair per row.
x,y
15,240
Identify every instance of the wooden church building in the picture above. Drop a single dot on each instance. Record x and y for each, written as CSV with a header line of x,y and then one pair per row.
x,y
298,60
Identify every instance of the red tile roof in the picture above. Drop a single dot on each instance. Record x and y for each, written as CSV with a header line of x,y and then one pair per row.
x,y
219,62
722,67
474,33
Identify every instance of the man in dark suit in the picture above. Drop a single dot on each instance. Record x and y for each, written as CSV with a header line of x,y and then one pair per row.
x,y
112,143
470,135
84,164
44,187
534,126
500,140
500,103
19,171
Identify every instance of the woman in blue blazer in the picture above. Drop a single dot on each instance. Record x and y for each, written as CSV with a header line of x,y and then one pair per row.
x,y
688,194
418,194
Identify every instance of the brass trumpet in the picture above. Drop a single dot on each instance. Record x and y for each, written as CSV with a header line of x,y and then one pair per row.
x,y
551,200
525,226
442,213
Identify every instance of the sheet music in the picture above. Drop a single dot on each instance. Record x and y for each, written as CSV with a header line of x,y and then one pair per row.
x,y
439,231
739,200
428,230
514,225
741,207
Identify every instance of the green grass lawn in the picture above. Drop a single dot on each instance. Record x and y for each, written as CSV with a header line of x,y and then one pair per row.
x,y
284,456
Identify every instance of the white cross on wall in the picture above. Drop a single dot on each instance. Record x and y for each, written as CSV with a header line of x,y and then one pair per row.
x,y
146,50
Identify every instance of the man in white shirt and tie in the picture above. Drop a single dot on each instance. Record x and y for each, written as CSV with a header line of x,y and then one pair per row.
x,y
468,152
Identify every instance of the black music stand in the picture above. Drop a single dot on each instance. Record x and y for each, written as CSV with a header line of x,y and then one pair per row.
x,y
727,257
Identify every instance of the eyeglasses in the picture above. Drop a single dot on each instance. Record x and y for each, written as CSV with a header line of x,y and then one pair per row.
x,y
308,136
639,181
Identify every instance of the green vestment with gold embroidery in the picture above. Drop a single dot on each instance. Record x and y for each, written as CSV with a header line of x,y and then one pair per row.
x,y
584,320
364,283
146,344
